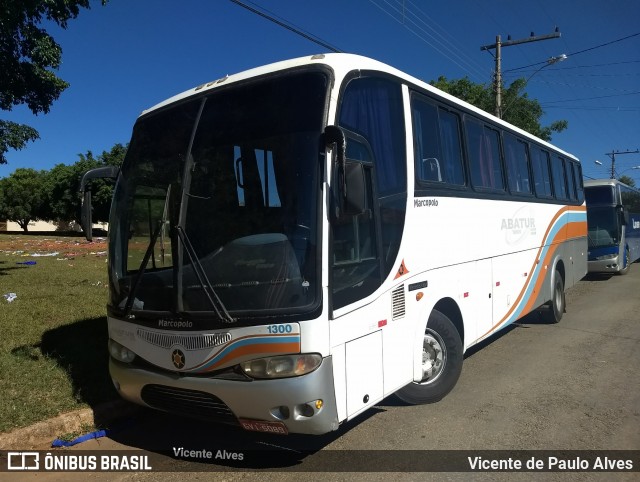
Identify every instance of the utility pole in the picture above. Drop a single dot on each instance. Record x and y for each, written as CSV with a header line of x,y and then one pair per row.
x,y
612,155
498,72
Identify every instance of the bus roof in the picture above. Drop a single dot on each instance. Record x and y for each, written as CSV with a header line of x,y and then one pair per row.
x,y
342,64
606,182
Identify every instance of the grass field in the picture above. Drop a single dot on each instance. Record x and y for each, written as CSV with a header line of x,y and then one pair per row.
x,y
53,335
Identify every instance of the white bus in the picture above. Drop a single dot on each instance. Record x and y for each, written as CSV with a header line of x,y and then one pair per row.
x,y
292,244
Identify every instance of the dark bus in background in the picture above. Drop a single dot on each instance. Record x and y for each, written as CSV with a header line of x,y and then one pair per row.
x,y
613,217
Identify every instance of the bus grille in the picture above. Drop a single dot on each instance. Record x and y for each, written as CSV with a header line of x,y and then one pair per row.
x,y
188,342
397,302
190,403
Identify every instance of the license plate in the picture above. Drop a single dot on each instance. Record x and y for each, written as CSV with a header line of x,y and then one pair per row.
x,y
262,426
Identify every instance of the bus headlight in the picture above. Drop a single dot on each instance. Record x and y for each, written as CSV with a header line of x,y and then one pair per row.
x,y
282,366
120,353
606,256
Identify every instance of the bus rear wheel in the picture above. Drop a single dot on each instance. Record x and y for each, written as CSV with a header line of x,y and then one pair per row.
x,y
557,303
441,362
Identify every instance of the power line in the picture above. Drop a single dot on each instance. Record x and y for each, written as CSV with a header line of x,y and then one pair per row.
x,y
610,109
443,46
605,44
600,65
447,38
578,52
285,24
588,98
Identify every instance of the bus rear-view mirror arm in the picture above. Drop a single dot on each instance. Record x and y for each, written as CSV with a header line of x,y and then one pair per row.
x,y
624,214
85,190
350,177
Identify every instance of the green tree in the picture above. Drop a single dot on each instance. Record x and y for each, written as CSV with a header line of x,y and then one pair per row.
x,y
22,197
102,189
62,182
518,109
28,54
629,181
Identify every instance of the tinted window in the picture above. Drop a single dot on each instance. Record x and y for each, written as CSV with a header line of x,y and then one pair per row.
x,y
438,155
577,171
630,199
372,107
599,195
541,173
559,180
362,245
571,181
484,156
517,160
451,148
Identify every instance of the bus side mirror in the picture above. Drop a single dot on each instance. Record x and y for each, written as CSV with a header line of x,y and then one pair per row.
x,y
350,180
354,200
624,215
85,190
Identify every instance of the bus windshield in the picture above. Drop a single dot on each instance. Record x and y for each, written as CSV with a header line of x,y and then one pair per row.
x,y
218,200
603,227
603,195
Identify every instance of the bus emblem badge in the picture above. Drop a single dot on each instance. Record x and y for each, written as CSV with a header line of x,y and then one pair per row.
x,y
177,357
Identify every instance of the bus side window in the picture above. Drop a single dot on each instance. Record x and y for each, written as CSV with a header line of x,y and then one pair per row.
x,y
484,156
577,171
427,141
517,161
438,153
571,181
541,172
374,108
559,178
355,266
451,147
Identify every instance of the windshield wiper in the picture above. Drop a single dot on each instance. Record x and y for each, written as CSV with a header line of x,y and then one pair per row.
x,y
211,294
143,266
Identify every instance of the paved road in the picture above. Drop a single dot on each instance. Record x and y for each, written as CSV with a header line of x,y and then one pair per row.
x,y
537,386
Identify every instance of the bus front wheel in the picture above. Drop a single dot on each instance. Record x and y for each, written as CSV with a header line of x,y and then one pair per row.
x,y
627,264
441,362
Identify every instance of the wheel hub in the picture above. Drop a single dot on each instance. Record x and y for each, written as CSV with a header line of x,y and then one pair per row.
x,y
433,358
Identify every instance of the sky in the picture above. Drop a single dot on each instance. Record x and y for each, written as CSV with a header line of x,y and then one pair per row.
x,y
131,54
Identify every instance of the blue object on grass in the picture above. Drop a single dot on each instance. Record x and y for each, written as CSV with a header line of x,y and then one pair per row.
x,y
83,438
28,263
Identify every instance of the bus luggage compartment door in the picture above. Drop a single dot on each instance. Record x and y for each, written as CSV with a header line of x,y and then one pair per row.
x,y
364,372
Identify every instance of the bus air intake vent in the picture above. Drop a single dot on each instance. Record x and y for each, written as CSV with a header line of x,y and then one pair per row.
x,y
188,342
397,300
190,403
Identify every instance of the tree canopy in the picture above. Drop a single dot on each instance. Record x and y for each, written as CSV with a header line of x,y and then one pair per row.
x,y
518,109
628,180
28,195
28,56
22,196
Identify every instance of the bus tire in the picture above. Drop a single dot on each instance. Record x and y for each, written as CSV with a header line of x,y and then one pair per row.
x,y
557,303
627,262
441,362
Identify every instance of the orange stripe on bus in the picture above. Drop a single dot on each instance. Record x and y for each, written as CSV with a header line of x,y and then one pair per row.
x,y
259,348
569,231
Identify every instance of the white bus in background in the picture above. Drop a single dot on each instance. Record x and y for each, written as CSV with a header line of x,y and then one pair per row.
x,y
292,244
613,218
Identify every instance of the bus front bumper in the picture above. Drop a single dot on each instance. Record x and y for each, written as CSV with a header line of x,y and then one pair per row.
x,y
608,265
289,401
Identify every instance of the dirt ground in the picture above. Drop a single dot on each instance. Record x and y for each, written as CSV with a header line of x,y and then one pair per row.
x,y
39,245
